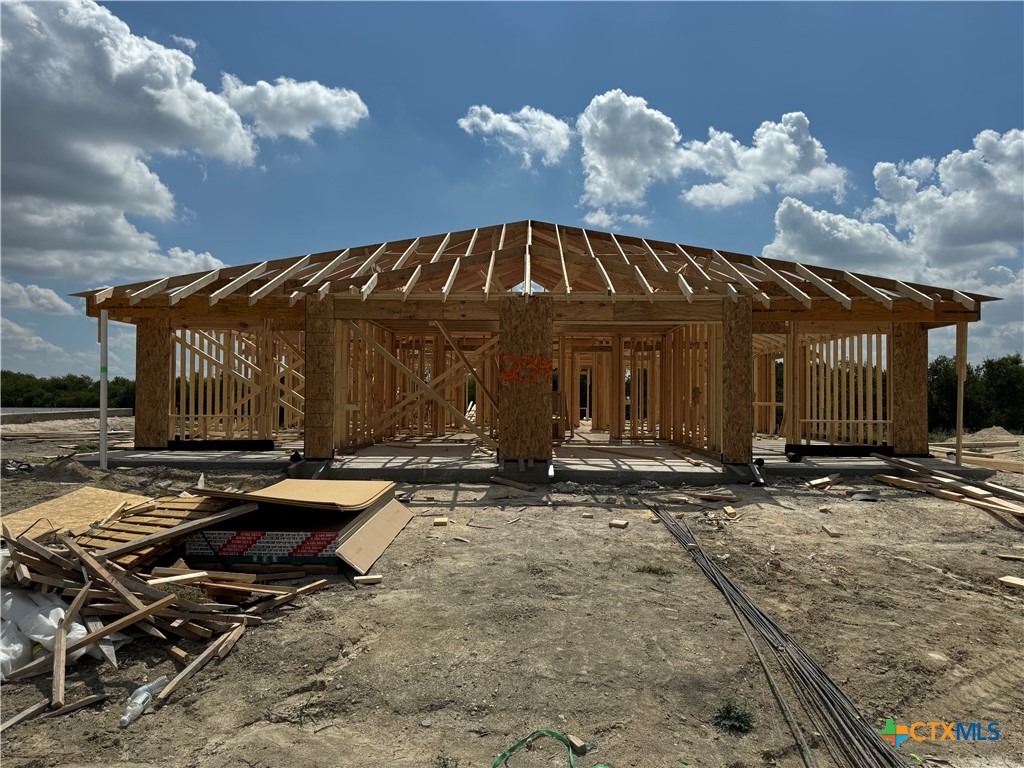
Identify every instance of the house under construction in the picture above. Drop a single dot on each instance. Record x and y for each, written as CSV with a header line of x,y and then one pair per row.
x,y
540,326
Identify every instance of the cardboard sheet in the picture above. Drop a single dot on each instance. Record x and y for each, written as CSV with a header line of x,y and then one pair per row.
x,y
343,495
362,548
78,509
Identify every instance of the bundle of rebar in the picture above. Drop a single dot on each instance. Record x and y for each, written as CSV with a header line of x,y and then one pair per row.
x,y
847,736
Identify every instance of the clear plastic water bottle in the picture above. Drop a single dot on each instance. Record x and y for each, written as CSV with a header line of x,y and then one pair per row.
x,y
141,699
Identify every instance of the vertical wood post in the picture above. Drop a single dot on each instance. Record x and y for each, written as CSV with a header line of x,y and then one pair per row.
x,y
320,379
526,326
153,382
961,380
909,375
617,393
737,397
791,397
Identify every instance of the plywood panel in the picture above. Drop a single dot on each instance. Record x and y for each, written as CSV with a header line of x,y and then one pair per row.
x,y
320,379
78,509
153,379
737,382
525,351
909,376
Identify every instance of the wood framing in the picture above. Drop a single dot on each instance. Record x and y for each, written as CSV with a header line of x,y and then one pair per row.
x,y
651,339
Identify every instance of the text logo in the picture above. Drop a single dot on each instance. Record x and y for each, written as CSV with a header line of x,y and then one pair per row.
x,y
939,731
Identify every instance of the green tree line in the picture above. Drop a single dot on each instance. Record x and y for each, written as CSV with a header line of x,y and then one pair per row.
x,y
23,390
993,394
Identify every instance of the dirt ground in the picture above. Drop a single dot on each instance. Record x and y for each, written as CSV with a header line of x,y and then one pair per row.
x,y
547,622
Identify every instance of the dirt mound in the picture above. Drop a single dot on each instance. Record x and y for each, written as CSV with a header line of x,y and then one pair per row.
x,y
67,471
992,433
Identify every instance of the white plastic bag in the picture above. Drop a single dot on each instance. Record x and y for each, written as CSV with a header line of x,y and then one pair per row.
x,y
15,648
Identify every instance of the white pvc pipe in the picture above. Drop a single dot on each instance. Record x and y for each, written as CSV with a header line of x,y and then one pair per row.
x,y
103,389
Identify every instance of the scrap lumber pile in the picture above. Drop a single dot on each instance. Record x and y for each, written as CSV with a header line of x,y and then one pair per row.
x,y
100,574
982,494
990,454
106,570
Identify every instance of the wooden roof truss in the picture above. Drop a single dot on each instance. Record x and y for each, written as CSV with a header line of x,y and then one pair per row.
x,y
527,257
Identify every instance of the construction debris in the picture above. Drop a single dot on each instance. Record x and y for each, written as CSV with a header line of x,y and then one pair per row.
x,y
832,532
717,494
618,523
440,521
824,483
100,570
1012,581
980,493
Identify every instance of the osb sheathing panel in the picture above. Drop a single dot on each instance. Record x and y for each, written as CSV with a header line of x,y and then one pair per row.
x,y
152,382
320,379
737,381
524,395
909,376
78,509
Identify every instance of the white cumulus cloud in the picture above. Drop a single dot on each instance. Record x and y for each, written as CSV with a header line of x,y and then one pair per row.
x,y
966,209
33,298
627,146
832,239
527,133
956,223
86,105
185,42
783,156
292,108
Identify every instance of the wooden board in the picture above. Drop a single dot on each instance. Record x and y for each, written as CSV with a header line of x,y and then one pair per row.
x,y
362,549
77,509
170,512
342,495
1001,465
524,395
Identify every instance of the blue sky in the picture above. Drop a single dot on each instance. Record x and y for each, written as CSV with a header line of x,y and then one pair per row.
x,y
185,167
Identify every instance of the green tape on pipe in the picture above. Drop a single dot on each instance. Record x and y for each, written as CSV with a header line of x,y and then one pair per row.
x,y
504,756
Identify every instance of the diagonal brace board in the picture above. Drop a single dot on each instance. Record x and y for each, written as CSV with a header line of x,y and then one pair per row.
x,y
479,380
426,388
